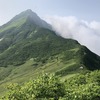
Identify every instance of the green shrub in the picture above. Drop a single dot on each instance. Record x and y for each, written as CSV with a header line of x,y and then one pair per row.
x,y
46,86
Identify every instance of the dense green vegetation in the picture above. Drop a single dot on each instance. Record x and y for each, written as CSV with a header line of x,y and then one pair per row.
x,y
26,36
43,46
28,47
84,86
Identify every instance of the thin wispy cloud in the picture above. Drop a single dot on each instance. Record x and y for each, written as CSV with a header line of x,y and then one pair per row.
x,y
87,33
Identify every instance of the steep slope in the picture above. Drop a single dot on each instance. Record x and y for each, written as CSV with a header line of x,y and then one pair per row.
x,y
28,46
18,28
21,18
27,37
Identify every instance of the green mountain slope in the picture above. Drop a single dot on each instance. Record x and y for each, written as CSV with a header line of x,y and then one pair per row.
x,y
28,46
26,37
21,18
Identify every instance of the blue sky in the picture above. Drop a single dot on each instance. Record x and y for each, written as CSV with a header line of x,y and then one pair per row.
x,y
82,9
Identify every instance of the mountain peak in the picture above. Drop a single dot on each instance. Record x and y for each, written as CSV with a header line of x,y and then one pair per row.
x,y
31,16
25,14
28,10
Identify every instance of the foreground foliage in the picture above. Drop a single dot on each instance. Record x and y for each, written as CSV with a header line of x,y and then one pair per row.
x,y
83,87
48,87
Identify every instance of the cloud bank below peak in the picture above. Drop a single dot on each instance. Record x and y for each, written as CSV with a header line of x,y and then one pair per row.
x,y
87,33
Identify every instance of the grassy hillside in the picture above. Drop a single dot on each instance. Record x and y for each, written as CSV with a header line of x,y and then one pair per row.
x,y
84,86
58,64
27,49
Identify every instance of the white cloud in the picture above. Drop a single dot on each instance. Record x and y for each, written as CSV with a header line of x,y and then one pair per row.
x,y
87,33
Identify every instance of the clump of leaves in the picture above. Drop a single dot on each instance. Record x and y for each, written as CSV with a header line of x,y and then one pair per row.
x,y
45,86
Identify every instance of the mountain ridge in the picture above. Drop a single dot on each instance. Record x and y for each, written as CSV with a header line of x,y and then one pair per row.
x,y
30,29
24,16
26,41
27,50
